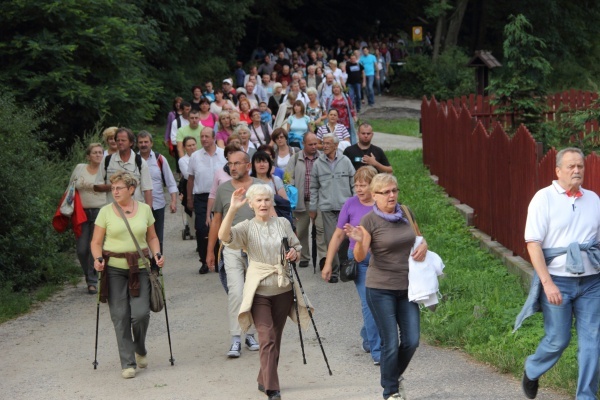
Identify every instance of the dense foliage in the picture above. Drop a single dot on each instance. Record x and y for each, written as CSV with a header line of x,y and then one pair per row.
x,y
32,184
445,78
120,61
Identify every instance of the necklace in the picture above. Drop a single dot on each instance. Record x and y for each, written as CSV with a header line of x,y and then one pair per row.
x,y
132,207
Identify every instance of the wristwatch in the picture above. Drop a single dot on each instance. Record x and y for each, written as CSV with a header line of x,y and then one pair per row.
x,y
157,256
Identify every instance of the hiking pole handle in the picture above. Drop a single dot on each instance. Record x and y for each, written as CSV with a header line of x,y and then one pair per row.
x,y
286,246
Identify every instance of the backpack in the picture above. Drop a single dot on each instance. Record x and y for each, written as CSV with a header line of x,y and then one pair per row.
x,y
138,162
159,161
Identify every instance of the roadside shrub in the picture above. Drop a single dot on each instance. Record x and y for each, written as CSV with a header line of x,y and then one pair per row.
x,y
445,78
32,184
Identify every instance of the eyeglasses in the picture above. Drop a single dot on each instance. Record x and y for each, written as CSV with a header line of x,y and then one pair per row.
x,y
235,164
387,192
117,188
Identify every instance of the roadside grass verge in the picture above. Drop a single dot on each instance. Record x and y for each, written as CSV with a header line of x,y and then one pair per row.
x,y
401,126
480,298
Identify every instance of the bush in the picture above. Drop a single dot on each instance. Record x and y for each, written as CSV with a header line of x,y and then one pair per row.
x,y
445,78
32,184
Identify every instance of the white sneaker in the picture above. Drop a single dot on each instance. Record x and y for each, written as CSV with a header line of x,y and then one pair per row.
x,y
128,373
396,396
141,361
251,343
235,351
401,391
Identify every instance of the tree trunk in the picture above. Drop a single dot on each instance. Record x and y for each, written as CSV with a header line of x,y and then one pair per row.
x,y
437,40
455,23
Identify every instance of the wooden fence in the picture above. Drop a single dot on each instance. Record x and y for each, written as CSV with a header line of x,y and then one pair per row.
x,y
480,107
494,174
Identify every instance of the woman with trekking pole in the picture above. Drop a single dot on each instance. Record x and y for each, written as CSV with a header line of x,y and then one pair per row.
x,y
268,296
125,284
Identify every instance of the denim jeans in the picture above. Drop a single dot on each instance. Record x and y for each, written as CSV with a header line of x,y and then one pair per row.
x,y
581,299
391,309
369,332
355,94
370,92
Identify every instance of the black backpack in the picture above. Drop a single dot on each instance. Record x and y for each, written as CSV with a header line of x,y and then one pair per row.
x,y
138,162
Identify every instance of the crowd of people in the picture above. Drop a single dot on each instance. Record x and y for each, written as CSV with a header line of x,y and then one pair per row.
x,y
236,151
290,121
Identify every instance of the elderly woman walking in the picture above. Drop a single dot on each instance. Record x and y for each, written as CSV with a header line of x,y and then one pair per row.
x,y
268,297
390,237
126,285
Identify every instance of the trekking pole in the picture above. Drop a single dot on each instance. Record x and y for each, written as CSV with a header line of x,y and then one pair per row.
x,y
162,281
95,363
313,235
285,248
311,317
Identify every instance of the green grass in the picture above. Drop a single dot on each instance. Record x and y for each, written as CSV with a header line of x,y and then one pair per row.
x,y
480,298
402,126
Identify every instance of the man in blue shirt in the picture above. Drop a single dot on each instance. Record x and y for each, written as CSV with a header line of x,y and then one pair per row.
x,y
369,63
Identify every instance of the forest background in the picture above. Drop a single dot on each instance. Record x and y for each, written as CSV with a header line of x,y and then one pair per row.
x,y
71,67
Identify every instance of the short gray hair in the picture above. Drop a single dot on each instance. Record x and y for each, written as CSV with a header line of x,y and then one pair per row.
x,y
561,154
145,134
259,189
335,138
241,126
312,90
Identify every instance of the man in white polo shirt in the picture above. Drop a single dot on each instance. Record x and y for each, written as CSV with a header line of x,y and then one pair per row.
x,y
562,233
203,165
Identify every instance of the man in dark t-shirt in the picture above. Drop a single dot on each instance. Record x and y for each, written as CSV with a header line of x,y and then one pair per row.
x,y
364,153
356,79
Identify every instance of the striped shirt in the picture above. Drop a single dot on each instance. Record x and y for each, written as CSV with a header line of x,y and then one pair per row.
x,y
340,131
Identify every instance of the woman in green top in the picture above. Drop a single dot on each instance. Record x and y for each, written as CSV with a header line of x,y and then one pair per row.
x,y
126,285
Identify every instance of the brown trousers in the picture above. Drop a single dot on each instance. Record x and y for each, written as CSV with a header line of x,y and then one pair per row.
x,y
270,314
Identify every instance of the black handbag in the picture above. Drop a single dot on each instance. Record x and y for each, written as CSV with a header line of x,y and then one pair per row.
x,y
348,270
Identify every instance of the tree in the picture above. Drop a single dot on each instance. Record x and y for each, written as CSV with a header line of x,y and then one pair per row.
x,y
521,88
82,57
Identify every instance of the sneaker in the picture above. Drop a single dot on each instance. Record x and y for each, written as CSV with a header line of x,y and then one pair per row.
x,y
401,391
303,264
261,388
376,363
274,394
365,347
530,387
396,396
235,351
203,269
141,361
251,343
128,373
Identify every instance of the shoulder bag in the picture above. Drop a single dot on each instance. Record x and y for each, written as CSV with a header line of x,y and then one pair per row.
x,y
66,205
157,296
348,270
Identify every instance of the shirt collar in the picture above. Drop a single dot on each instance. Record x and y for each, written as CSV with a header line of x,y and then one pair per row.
x,y
561,190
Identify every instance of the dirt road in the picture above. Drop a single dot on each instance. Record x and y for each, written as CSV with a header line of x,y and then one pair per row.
x,y
48,353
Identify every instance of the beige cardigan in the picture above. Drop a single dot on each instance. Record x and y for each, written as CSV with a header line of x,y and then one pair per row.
x,y
255,274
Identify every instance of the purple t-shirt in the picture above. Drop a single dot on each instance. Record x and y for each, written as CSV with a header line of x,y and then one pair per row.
x,y
352,212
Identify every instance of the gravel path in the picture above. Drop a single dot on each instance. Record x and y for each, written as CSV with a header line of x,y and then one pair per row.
x,y
48,353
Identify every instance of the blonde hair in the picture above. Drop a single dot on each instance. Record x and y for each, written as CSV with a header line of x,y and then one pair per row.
x,y
108,133
365,174
381,180
124,177
92,146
